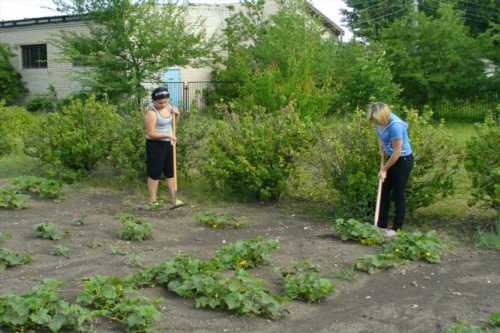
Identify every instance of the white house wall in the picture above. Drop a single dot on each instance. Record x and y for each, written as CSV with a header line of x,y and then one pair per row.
x,y
37,80
58,74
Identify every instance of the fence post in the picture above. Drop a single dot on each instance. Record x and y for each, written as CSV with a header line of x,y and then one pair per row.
x,y
185,95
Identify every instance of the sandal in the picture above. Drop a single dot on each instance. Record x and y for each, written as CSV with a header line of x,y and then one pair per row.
x,y
154,205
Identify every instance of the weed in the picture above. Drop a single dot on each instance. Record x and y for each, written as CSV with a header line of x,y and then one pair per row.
x,y
48,231
303,282
134,229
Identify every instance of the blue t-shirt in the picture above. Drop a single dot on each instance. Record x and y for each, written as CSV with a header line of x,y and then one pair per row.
x,y
396,129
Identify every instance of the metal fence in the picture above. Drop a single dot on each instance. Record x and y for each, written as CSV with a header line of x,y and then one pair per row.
x,y
468,109
197,94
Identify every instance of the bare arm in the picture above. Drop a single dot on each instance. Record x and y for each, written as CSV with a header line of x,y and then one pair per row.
x,y
150,124
396,146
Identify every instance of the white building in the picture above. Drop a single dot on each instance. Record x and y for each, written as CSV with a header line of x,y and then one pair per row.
x,y
38,60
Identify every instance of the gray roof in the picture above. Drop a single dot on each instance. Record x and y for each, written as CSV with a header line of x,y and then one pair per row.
x,y
40,20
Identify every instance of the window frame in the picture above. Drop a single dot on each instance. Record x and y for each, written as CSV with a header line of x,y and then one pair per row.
x,y
34,56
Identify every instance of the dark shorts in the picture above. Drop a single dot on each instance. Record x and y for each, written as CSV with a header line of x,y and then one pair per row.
x,y
159,158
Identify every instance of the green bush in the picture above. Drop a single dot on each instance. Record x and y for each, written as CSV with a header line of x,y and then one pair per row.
x,y
41,103
372,263
360,74
78,137
45,188
218,220
303,282
246,254
251,155
416,246
11,85
15,124
48,231
346,158
128,153
9,259
134,229
366,234
43,310
115,298
482,162
12,199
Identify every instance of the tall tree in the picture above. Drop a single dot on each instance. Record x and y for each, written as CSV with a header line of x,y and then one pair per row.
x,y
11,85
478,15
367,18
435,58
129,42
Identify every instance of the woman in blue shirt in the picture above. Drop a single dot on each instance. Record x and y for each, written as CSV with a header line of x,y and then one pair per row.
x,y
396,162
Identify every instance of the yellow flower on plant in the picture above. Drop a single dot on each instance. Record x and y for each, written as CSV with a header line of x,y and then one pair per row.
x,y
243,263
428,254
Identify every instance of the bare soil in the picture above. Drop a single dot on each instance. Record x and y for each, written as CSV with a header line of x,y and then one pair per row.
x,y
414,298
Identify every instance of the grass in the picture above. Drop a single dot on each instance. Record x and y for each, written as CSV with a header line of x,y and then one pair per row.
x,y
489,239
453,214
18,165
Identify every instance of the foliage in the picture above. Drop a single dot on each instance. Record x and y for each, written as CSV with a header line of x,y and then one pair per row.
x,y
251,155
360,74
489,239
464,328
11,85
204,281
275,60
218,220
40,103
77,138
15,124
45,188
435,58
42,309
128,153
240,294
246,254
192,140
367,19
129,37
478,15
48,231
115,298
9,259
61,251
12,199
303,281
416,246
482,162
374,262
490,327
495,319
134,229
366,234
346,158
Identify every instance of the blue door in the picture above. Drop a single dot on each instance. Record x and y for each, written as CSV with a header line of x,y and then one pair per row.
x,y
172,78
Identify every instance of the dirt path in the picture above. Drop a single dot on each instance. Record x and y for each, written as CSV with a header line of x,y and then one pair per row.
x,y
414,298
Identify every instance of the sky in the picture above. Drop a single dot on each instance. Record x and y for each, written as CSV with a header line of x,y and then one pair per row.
x,y
19,9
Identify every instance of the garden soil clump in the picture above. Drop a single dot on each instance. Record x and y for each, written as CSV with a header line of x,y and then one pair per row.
x,y
417,297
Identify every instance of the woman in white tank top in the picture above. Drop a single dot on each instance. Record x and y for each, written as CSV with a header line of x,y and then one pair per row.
x,y
159,145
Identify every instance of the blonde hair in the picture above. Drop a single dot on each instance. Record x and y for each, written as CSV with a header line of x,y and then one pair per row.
x,y
379,113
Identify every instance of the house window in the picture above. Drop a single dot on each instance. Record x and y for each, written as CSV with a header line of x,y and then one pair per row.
x,y
35,56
